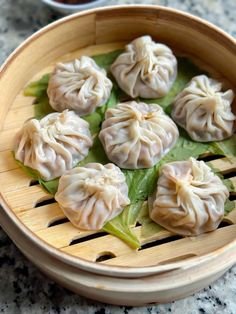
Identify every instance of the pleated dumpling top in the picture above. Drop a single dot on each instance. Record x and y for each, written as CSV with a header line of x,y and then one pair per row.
x,y
53,144
189,199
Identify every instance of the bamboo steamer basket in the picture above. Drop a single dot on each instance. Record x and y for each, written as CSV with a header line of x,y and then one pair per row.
x,y
98,265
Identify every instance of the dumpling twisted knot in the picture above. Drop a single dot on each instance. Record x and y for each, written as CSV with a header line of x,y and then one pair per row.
x,y
54,144
80,85
146,69
204,110
137,135
92,195
189,199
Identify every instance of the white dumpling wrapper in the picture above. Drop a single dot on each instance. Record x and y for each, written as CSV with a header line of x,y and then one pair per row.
x,y
145,69
204,110
53,144
92,195
189,199
137,135
80,85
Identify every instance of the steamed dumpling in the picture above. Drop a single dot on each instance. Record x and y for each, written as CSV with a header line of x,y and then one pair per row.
x,y
137,135
204,110
80,85
54,144
92,195
189,199
146,69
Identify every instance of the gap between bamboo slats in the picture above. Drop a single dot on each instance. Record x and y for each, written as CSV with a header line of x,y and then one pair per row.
x,y
194,246
22,199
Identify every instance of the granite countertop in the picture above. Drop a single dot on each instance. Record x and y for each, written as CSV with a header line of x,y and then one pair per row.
x,y
23,289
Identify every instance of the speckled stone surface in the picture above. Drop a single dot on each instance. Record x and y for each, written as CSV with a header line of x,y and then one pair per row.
x,y
23,289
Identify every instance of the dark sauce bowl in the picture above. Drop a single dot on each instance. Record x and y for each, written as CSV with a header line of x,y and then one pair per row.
x,y
72,6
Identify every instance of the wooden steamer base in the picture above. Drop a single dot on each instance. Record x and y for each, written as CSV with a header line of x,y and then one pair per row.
x,y
167,267
162,288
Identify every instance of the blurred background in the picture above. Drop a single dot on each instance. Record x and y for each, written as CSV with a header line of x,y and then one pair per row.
x,y
21,18
23,289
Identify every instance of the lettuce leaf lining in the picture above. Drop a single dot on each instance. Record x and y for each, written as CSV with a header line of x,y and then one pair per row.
x,y
141,182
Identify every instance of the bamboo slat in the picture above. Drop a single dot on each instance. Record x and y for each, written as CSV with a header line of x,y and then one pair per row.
x,y
41,217
7,139
14,180
36,223
17,116
22,101
24,197
7,161
190,246
224,164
